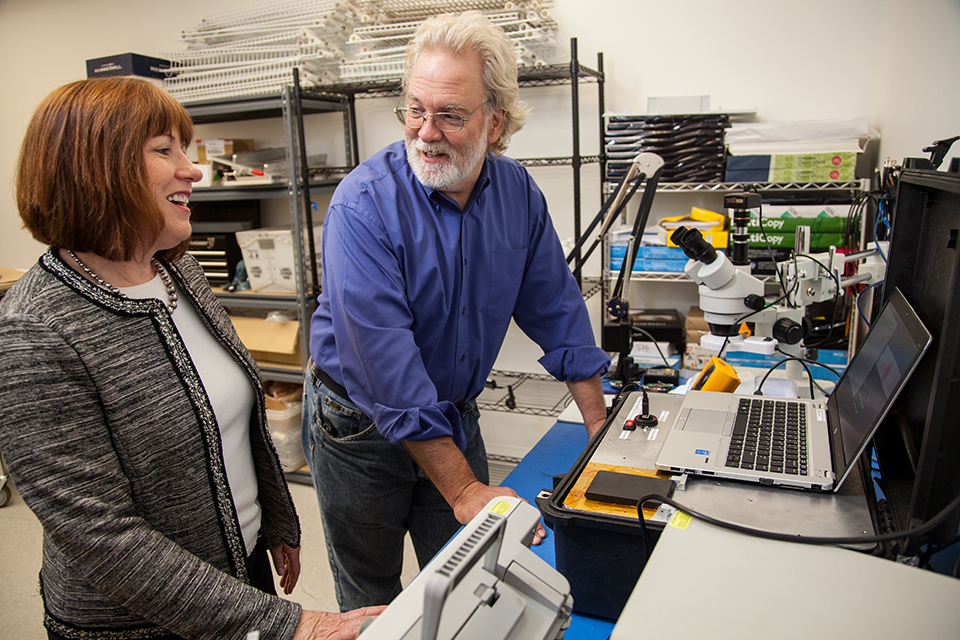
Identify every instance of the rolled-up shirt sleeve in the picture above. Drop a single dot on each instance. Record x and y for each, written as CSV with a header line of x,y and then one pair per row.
x,y
575,363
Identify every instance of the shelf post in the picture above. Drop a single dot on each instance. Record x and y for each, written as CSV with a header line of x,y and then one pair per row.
x,y
312,287
350,132
575,99
297,196
601,108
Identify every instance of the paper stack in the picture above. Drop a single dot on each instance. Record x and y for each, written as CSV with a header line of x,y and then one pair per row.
x,y
803,151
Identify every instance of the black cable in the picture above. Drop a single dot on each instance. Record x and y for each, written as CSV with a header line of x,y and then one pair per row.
x,y
863,317
788,359
858,209
932,550
856,214
836,280
783,537
625,389
813,382
654,340
852,231
742,318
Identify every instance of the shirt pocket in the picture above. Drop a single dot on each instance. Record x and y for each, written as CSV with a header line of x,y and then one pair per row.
x,y
506,275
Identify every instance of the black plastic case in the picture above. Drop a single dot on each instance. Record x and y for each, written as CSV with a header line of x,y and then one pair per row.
x,y
600,555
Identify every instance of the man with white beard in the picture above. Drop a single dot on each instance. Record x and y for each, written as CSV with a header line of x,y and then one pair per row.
x,y
430,247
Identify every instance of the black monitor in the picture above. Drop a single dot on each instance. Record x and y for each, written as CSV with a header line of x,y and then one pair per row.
x,y
918,444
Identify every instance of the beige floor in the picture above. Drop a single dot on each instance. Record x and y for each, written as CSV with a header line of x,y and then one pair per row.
x,y
21,608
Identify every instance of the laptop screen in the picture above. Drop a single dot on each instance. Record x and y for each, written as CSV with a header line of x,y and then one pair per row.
x,y
874,377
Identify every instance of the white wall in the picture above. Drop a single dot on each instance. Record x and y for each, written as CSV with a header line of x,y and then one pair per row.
x,y
891,62
886,60
918,93
44,44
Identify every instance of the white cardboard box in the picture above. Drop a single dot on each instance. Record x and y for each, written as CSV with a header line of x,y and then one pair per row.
x,y
285,433
268,255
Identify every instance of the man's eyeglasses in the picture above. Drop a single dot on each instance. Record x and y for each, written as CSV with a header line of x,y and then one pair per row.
x,y
413,118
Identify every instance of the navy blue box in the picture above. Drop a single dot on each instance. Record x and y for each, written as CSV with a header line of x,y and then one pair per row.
x,y
127,64
747,169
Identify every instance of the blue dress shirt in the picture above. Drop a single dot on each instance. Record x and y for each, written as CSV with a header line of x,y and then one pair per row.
x,y
417,295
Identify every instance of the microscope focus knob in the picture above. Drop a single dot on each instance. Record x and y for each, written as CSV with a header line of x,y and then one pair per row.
x,y
755,302
788,331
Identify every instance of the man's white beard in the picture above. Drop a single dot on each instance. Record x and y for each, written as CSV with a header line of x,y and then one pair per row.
x,y
446,175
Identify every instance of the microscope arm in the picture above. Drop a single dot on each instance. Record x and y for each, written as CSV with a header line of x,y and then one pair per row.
x,y
651,165
615,204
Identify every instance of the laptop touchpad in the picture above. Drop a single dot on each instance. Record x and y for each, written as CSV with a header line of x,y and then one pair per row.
x,y
705,421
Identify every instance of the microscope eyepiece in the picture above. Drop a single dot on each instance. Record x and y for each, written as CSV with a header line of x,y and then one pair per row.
x,y
693,245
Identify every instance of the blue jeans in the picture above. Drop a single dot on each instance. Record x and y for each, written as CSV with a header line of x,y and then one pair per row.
x,y
372,492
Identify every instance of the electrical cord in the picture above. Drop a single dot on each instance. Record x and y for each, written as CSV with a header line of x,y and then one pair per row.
x,y
860,309
924,557
881,217
743,318
822,266
809,375
788,359
813,381
783,537
850,234
630,386
836,280
654,341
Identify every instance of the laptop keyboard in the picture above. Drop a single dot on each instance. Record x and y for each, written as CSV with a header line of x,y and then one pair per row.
x,y
769,435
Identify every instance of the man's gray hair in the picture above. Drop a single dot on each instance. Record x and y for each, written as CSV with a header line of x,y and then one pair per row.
x,y
471,31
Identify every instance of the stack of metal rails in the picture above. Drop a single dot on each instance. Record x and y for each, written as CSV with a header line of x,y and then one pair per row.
x,y
255,51
377,51
241,53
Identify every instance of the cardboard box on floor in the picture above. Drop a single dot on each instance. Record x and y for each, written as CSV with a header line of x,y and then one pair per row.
x,y
277,342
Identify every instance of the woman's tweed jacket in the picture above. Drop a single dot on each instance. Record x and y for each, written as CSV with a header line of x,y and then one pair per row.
x,y
112,442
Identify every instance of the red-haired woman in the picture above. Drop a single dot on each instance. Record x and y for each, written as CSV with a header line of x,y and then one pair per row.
x,y
131,416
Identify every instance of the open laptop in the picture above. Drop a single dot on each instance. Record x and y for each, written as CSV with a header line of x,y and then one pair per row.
x,y
812,444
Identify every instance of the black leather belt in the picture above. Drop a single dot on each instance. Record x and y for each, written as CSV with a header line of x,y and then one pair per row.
x,y
328,382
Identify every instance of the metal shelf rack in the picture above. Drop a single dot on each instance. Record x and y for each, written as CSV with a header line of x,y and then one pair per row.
x,y
342,97
849,187
571,74
526,393
721,187
290,106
